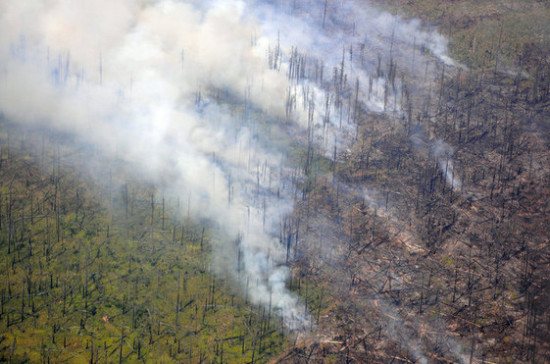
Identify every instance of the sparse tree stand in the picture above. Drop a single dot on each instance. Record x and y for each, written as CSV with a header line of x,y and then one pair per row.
x,y
107,282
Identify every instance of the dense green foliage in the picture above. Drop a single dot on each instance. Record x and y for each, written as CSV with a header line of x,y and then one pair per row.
x,y
108,272
392,262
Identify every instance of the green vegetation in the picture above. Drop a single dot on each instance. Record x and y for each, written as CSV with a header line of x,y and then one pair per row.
x,y
392,262
507,34
90,272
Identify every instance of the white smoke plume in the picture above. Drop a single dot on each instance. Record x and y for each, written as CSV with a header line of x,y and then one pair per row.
x,y
143,79
444,154
134,78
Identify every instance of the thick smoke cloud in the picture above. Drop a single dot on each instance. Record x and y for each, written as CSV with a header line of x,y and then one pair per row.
x,y
163,84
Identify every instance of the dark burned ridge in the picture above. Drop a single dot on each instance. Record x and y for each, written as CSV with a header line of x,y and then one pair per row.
x,y
427,272
351,190
393,262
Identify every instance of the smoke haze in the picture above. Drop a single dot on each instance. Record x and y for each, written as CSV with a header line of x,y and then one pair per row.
x,y
183,90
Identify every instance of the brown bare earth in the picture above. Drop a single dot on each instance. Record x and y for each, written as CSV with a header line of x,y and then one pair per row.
x,y
428,241
429,272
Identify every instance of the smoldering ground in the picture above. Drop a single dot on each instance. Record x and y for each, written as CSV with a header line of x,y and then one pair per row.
x,y
184,90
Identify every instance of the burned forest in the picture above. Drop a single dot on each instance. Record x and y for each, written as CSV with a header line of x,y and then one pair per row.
x,y
266,181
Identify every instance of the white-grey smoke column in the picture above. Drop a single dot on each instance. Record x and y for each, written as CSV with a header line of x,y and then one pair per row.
x,y
444,154
125,76
352,41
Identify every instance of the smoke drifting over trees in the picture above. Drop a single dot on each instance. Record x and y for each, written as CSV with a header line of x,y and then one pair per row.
x,y
335,156
149,81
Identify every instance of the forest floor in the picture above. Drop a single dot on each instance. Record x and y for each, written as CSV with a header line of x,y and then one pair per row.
x,y
436,231
95,268
427,241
